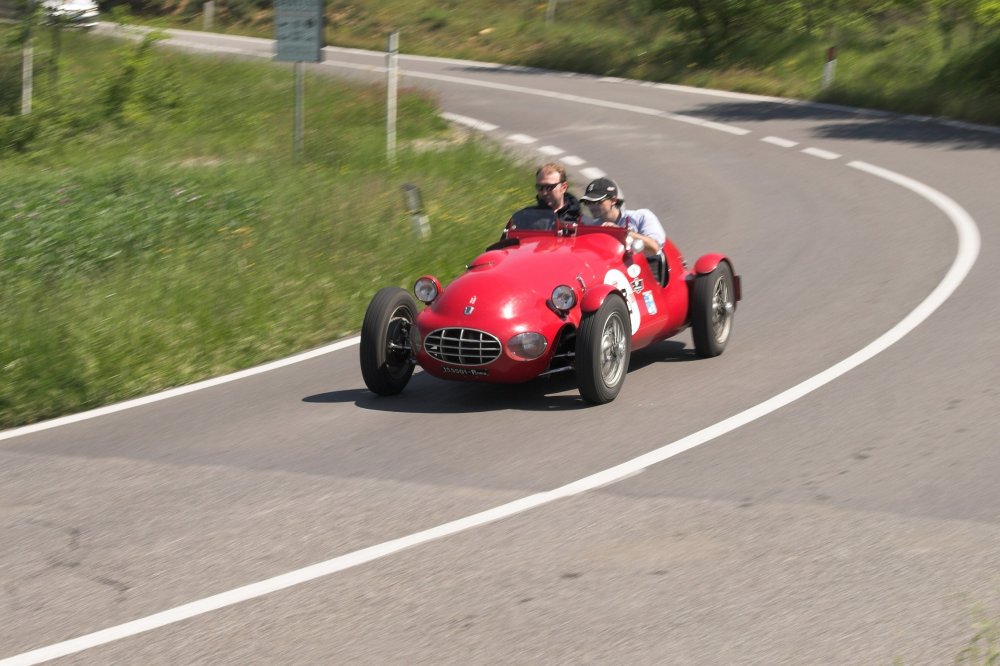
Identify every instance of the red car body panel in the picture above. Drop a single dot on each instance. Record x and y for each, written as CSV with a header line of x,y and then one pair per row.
x,y
506,291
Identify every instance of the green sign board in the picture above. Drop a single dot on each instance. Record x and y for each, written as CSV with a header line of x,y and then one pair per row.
x,y
298,27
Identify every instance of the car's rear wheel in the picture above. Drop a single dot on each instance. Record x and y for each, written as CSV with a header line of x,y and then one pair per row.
x,y
386,358
713,302
603,348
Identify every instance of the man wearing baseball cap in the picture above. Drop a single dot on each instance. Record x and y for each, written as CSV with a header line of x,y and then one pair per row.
x,y
606,203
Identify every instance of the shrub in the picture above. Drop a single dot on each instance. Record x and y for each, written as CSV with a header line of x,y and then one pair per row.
x,y
140,85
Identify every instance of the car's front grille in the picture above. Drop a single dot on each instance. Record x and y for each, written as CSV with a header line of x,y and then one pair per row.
x,y
462,346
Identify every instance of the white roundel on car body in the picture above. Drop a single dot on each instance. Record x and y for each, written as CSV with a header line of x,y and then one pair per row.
x,y
618,280
634,270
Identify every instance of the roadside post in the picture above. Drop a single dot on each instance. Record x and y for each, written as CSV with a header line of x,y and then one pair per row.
x,y
415,206
298,26
27,74
830,67
392,83
208,14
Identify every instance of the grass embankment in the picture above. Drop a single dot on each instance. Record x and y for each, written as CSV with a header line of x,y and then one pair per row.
x,y
159,232
914,57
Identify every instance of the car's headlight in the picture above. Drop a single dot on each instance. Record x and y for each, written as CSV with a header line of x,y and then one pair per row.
x,y
563,297
528,346
427,289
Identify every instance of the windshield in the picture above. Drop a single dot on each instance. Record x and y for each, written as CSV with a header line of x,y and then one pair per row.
x,y
533,219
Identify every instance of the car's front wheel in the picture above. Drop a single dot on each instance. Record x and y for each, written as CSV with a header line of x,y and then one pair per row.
x,y
603,348
713,302
386,359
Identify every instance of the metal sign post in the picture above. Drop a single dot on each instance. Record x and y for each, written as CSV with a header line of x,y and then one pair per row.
x,y
299,122
298,26
392,74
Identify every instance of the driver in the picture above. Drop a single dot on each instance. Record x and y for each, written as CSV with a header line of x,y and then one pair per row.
x,y
552,191
604,199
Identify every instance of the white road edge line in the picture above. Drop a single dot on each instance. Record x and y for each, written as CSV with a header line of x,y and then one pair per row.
x,y
965,258
174,392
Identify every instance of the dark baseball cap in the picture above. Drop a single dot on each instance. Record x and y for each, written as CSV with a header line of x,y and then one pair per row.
x,y
600,189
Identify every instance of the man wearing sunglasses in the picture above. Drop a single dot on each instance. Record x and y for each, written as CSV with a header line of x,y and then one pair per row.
x,y
552,191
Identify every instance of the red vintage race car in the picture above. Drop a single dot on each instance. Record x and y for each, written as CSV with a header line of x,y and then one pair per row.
x,y
549,297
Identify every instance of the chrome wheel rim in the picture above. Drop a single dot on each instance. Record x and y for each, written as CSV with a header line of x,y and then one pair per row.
x,y
722,309
613,344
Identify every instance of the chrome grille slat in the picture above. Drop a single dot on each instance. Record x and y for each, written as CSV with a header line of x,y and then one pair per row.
x,y
463,346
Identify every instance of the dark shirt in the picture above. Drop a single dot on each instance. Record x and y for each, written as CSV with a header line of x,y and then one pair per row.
x,y
570,211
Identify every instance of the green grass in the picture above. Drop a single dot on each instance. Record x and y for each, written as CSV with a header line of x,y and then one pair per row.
x,y
173,245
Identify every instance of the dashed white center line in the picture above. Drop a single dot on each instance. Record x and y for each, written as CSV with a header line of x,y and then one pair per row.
x,y
522,138
551,150
778,141
573,160
592,173
820,153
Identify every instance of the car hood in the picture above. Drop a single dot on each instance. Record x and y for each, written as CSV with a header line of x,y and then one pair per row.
x,y
514,283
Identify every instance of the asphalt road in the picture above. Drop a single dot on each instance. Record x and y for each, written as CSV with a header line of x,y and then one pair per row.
x,y
824,492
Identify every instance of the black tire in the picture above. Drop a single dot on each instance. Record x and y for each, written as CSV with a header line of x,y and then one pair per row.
x,y
386,358
713,303
603,349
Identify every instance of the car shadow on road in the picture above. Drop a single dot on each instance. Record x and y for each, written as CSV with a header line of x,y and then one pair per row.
x,y
558,392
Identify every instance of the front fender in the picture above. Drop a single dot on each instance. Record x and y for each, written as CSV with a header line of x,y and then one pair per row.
x,y
709,262
594,297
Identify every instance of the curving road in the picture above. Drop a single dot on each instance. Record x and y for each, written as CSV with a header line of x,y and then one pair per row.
x,y
824,492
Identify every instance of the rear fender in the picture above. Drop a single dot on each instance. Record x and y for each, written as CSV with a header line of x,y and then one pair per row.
x,y
594,298
709,262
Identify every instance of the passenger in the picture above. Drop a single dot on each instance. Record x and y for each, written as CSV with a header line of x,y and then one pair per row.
x,y
604,199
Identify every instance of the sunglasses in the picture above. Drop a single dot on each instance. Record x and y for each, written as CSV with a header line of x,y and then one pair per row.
x,y
548,187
